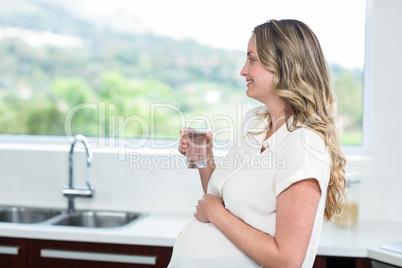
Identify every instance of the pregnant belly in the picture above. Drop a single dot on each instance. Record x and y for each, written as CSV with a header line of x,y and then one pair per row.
x,y
203,245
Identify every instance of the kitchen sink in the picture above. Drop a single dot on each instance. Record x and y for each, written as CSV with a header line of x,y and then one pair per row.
x,y
26,215
96,219
89,219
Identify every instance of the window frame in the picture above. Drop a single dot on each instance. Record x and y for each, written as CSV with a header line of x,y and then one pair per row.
x,y
365,148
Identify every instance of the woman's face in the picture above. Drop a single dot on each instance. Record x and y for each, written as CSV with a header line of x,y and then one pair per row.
x,y
259,79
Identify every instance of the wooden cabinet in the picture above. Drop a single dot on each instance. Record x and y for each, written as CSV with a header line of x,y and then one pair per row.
x,y
344,262
32,253
13,253
47,253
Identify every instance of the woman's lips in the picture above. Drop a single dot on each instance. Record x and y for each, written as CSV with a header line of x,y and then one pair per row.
x,y
249,83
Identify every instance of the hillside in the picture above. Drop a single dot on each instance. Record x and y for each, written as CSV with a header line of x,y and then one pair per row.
x,y
54,56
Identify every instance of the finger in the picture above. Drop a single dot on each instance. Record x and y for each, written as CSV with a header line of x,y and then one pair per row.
x,y
182,151
183,144
209,137
182,148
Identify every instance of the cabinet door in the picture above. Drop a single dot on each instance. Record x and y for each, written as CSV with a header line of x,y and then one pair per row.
x,y
97,255
344,262
13,253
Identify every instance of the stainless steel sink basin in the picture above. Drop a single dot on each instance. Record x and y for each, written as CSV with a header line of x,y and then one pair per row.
x,y
97,219
26,215
90,219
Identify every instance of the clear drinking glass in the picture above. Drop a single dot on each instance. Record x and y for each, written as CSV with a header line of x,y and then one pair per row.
x,y
196,154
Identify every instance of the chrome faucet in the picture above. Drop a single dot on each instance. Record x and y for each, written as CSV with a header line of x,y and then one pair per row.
x,y
70,191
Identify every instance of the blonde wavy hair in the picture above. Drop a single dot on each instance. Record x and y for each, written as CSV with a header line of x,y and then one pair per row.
x,y
290,50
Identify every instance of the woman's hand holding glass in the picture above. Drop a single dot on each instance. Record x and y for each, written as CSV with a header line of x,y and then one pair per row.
x,y
205,173
183,143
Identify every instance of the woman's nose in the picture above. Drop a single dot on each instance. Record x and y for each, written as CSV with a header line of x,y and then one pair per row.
x,y
243,71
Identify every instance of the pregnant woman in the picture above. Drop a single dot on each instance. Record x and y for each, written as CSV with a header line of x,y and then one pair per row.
x,y
285,172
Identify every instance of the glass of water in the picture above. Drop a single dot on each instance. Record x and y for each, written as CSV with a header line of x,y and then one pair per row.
x,y
195,132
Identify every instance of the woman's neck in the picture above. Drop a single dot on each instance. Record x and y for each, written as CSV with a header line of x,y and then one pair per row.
x,y
279,116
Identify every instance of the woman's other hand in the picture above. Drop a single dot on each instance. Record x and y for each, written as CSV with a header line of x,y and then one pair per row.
x,y
208,207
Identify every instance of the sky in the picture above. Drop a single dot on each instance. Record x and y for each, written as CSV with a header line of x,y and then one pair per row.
x,y
338,24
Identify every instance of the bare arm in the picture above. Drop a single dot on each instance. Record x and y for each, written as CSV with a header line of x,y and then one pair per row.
x,y
295,214
205,173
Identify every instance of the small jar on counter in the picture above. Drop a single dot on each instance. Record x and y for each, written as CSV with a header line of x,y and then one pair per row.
x,y
350,211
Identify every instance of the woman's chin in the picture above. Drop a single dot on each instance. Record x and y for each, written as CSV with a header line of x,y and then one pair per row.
x,y
248,93
252,96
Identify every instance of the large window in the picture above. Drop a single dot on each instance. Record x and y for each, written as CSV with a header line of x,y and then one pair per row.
x,y
137,68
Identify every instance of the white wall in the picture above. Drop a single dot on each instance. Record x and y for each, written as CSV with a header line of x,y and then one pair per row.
x,y
380,190
35,175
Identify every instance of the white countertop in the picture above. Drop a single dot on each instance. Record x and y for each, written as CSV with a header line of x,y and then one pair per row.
x,y
153,230
361,241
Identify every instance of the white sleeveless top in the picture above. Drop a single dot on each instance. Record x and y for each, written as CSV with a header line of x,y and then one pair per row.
x,y
249,182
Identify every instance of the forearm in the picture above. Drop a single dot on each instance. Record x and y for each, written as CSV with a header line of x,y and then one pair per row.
x,y
205,173
296,209
258,245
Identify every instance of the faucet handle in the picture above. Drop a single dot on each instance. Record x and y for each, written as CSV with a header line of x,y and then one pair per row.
x,y
78,191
